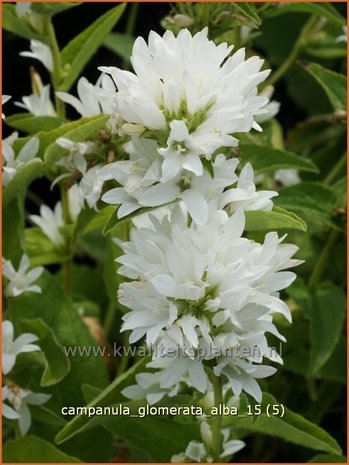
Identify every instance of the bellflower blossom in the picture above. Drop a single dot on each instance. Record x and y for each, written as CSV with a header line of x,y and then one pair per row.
x,y
19,399
202,451
142,186
41,52
50,222
206,291
21,280
190,94
12,347
11,161
91,100
38,105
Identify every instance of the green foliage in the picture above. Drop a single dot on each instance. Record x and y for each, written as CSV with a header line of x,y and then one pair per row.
x,y
290,427
77,53
34,449
273,221
334,84
11,22
78,306
121,44
32,124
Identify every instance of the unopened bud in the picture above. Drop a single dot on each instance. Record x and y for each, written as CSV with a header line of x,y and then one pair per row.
x,y
183,20
133,129
36,81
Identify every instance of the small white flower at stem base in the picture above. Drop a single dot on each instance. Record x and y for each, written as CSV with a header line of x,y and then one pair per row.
x,y
287,177
21,280
12,347
41,52
20,399
12,162
201,451
343,37
38,105
50,222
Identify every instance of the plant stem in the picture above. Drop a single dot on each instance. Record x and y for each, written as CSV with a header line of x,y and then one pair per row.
x,y
217,425
57,72
298,45
336,170
322,261
67,265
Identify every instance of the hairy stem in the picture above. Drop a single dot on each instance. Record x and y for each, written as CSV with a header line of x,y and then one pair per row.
x,y
217,425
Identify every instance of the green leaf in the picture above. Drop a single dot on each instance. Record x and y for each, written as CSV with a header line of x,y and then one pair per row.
x,y
327,314
80,50
334,84
325,10
56,364
52,8
11,22
328,458
58,312
275,220
249,11
313,201
109,396
159,437
25,174
33,449
267,159
291,427
121,44
28,123
78,131
41,250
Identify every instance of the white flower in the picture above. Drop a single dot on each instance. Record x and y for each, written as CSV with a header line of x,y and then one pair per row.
x,y
207,291
4,99
245,195
189,77
287,177
11,348
271,108
94,99
202,451
50,222
11,162
343,37
142,186
148,387
191,93
19,400
38,105
20,281
77,150
41,52
91,185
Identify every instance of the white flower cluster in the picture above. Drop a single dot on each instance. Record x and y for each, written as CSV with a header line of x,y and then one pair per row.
x,y
203,295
